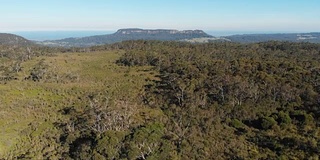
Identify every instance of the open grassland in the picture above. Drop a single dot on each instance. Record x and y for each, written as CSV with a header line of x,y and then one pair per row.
x,y
29,109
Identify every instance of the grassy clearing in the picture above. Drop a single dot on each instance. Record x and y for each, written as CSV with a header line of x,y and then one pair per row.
x,y
28,109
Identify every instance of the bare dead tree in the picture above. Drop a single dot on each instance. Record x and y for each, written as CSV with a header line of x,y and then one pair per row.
x,y
107,117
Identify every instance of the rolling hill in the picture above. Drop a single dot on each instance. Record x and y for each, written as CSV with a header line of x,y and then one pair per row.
x,y
11,39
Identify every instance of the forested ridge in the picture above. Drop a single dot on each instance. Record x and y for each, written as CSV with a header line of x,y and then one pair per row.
x,y
163,100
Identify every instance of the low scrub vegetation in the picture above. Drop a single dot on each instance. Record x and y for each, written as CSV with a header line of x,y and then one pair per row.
x,y
162,100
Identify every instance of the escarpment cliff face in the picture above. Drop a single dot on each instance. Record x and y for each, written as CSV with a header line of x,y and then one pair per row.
x,y
129,34
136,31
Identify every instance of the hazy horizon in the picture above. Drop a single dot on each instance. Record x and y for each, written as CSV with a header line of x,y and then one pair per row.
x,y
56,35
209,15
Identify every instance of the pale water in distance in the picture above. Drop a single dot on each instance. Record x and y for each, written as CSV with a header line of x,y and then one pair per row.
x,y
55,35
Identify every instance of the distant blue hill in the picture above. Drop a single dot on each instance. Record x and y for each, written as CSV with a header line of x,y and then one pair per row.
x,y
313,37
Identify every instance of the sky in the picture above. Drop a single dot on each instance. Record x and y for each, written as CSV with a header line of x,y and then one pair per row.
x,y
213,15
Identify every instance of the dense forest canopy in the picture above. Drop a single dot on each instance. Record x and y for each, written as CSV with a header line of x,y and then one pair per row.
x,y
171,100
267,92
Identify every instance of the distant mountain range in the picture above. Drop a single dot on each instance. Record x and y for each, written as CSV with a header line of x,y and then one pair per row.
x,y
11,39
129,34
194,36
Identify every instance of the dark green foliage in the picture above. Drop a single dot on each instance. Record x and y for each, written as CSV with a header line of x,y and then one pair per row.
x,y
148,142
205,85
284,119
110,144
268,123
236,124
202,101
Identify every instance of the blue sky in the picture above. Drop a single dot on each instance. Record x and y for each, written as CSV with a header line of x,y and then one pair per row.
x,y
219,15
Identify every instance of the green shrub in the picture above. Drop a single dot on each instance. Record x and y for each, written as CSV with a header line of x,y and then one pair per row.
x,y
237,124
267,123
283,118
